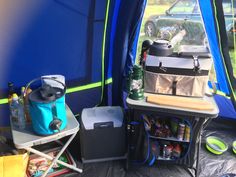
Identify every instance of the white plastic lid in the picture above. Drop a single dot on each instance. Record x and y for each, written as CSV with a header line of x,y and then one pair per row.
x,y
90,116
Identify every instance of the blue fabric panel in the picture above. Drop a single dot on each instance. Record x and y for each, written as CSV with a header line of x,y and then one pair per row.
x,y
130,14
4,114
111,30
134,34
112,36
97,51
100,10
109,93
84,99
210,26
80,7
50,39
226,107
135,44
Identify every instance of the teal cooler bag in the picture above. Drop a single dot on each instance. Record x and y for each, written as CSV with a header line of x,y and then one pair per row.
x,y
47,108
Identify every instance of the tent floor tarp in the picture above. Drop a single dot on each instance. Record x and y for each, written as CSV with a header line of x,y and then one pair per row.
x,y
210,165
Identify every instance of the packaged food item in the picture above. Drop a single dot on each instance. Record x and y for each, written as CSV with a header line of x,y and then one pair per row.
x,y
38,165
181,129
164,151
187,133
168,152
155,148
174,126
176,153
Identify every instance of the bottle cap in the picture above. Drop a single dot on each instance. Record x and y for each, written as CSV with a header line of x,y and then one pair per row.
x,y
14,96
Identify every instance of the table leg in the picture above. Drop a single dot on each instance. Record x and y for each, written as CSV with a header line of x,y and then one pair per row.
x,y
55,160
199,145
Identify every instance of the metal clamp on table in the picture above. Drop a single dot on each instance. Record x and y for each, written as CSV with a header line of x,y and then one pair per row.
x,y
26,139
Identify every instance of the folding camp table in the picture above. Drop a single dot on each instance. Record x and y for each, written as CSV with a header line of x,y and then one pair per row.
x,y
26,139
197,118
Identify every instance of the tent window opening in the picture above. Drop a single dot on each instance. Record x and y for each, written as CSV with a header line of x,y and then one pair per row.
x,y
229,8
179,22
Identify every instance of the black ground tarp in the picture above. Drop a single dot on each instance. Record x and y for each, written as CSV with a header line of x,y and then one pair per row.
x,y
210,165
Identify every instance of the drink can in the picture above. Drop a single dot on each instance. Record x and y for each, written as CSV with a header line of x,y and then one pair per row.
x,y
187,133
181,129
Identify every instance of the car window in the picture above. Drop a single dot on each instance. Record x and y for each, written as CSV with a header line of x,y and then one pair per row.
x,y
227,7
184,6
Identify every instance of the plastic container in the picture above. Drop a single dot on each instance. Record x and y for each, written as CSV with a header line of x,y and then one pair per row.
x,y
38,164
17,112
234,146
181,128
216,145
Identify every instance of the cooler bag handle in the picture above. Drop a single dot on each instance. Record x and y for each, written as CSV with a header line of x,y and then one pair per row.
x,y
40,78
196,64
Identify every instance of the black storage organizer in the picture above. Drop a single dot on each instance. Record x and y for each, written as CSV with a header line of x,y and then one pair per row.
x,y
196,120
166,140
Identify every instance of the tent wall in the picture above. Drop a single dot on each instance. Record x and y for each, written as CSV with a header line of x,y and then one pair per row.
x,y
212,14
53,37
92,43
124,49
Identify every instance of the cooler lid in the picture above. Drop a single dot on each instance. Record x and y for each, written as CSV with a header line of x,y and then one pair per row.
x,y
194,50
177,62
112,114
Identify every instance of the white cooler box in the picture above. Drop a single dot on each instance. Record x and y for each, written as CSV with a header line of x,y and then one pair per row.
x,y
102,134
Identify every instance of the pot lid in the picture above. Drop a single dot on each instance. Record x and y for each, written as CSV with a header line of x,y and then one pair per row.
x,y
46,94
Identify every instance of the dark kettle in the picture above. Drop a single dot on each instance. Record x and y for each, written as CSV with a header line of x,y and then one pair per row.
x,y
161,48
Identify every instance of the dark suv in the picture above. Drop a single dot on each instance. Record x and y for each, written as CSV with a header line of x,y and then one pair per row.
x,y
187,11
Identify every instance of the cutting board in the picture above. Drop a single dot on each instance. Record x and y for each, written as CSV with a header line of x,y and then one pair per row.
x,y
181,102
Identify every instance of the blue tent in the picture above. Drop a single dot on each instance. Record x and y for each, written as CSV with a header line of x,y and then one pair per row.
x,y
93,44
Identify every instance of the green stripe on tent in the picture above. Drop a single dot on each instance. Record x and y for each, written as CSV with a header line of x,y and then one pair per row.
x,y
218,92
103,48
88,86
74,89
4,101
218,30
